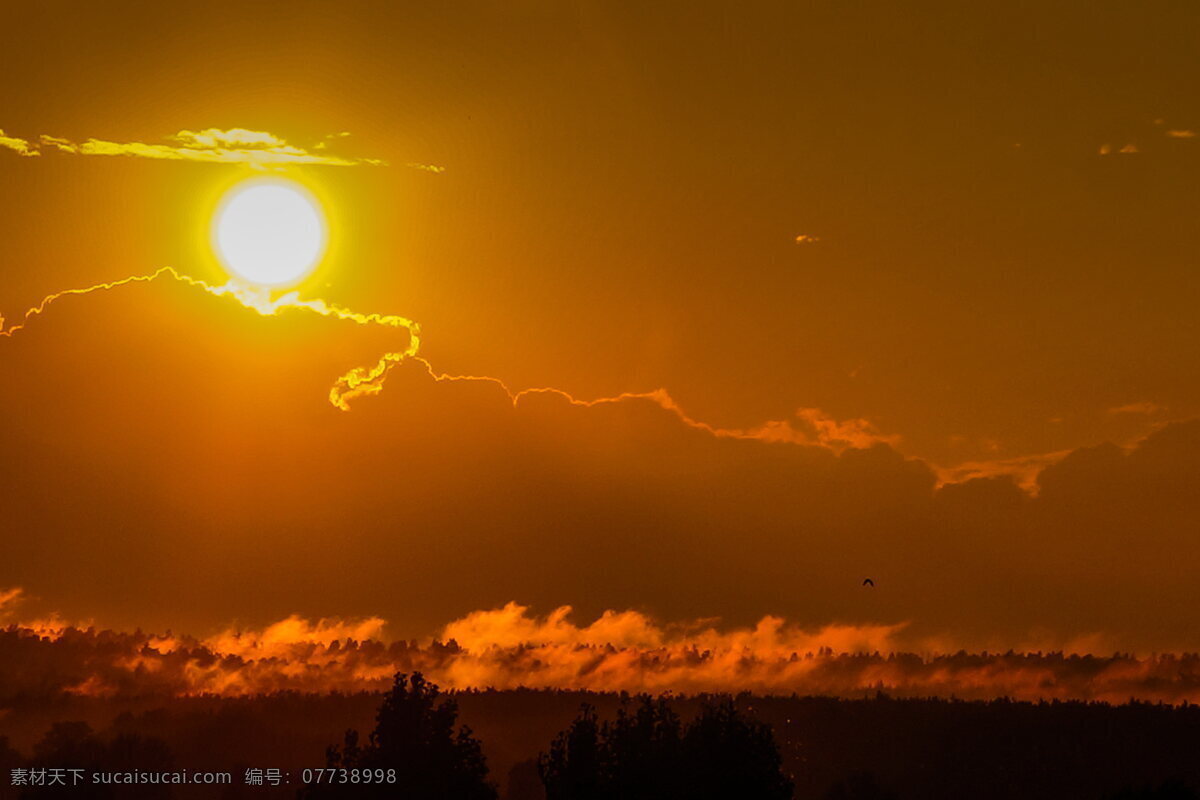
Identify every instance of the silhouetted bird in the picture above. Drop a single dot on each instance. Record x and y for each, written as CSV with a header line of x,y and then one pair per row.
x,y
868,582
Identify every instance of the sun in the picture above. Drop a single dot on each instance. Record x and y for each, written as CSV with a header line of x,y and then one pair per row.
x,y
269,232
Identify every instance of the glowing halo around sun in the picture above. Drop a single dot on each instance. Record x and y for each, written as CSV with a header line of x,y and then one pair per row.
x,y
269,232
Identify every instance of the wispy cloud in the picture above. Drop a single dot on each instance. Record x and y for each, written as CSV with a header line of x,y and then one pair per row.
x,y
814,426
1023,470
805,238
1144,407
258,149
9,598
21,146
1181,134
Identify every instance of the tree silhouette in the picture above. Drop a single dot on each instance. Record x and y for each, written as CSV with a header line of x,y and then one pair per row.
x,y
1170,790
74,745
571,771
415,735
644,752
9,757
858,785
729,755
648,754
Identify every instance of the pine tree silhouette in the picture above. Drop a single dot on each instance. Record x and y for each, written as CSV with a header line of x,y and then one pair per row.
x,y
1169,790
644,752
729,755
649,754
74,745
415,735
858,785
571,771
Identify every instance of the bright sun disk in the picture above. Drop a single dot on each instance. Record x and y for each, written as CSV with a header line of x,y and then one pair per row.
x,y
269,232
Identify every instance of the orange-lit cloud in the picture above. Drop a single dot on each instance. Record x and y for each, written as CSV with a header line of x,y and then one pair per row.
x,y
8,598
1023,470
257,149
805,238
275,640
620,651
811,426
814,426
51,626
1181,134
1144,407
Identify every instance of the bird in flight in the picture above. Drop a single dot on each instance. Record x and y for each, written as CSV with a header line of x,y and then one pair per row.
x,y
868,582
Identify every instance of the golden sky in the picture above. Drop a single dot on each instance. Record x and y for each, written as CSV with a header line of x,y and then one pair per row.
x,y
816,261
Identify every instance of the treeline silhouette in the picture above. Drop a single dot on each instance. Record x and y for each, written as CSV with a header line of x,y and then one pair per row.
x,y
75,746
418,751
36,667
828,749
647,753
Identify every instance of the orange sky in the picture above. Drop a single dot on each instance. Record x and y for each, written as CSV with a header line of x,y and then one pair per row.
x,y
812,226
